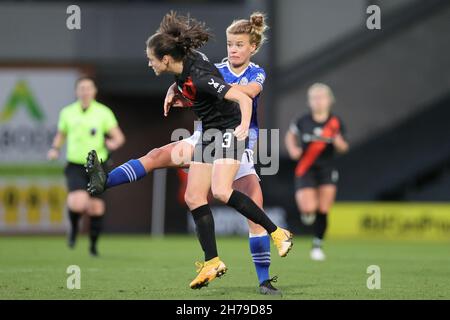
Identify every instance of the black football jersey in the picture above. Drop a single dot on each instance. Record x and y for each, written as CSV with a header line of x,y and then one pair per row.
x,y
203,85
311,134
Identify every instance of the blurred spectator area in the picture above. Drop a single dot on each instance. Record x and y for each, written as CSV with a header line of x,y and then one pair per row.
x,y
392,88
392,85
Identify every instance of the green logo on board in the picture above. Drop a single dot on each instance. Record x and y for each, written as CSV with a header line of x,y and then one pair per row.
x,y
21,96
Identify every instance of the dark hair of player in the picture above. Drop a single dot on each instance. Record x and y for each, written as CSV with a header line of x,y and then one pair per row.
x,y
177,36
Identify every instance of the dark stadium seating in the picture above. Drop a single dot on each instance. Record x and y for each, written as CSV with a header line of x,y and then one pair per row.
x,y
402,161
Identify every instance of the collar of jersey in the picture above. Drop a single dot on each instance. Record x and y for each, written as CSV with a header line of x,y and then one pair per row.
x,y
80,108
330,115
234,74
187,63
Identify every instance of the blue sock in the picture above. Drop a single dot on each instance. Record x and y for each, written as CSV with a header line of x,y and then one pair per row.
x,y
260,250
130,171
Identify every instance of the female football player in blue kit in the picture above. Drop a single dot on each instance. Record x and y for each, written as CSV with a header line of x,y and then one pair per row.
x,y
244,39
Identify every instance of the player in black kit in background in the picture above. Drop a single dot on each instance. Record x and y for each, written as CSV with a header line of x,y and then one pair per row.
x,y
313,140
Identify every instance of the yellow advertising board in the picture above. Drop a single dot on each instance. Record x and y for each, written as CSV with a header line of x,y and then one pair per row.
x,y
390,221
32,190
32,203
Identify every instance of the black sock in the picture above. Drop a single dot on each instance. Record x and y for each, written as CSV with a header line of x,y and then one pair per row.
x,y
74,218
320,226
248,208
206,233
94,230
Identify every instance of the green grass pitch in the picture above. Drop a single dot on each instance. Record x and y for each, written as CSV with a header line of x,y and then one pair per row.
x,y
141,267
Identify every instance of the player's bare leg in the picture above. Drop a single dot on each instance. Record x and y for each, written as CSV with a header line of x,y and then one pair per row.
x,y
173,155
327,196
307,203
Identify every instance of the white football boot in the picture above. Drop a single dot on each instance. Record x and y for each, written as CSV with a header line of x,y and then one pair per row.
x,y
317,254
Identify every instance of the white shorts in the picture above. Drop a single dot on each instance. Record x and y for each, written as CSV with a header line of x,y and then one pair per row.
x,y
247,166
192,140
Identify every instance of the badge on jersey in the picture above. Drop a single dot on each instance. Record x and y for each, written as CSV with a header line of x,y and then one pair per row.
x,y
243,81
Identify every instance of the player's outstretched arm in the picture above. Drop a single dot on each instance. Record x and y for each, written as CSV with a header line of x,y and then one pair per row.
x,y
245,104
251,89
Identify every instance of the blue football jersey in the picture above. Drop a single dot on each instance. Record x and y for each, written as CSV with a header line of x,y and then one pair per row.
x,y
253,73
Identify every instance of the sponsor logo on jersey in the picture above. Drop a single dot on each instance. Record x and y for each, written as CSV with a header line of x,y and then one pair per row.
x,y
317,131
216,85
213,83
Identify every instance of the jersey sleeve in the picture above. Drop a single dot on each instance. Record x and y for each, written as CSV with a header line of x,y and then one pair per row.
x,y
212,85
62,122
342,127
110,121
294,128
258,76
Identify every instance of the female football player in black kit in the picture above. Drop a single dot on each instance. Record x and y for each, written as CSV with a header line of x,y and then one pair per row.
x,y
244,39
313,140
225,113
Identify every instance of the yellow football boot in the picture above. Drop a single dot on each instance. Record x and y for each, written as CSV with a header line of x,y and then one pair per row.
x,y
207,272
283,241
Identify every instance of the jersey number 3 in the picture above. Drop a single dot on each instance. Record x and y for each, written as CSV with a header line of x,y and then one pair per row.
x,y
226,140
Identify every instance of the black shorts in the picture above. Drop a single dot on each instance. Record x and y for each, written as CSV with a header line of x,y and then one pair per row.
x,y
317,176
216,144
77,178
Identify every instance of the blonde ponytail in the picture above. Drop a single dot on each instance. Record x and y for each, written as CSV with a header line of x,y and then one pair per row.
x,y
255,27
